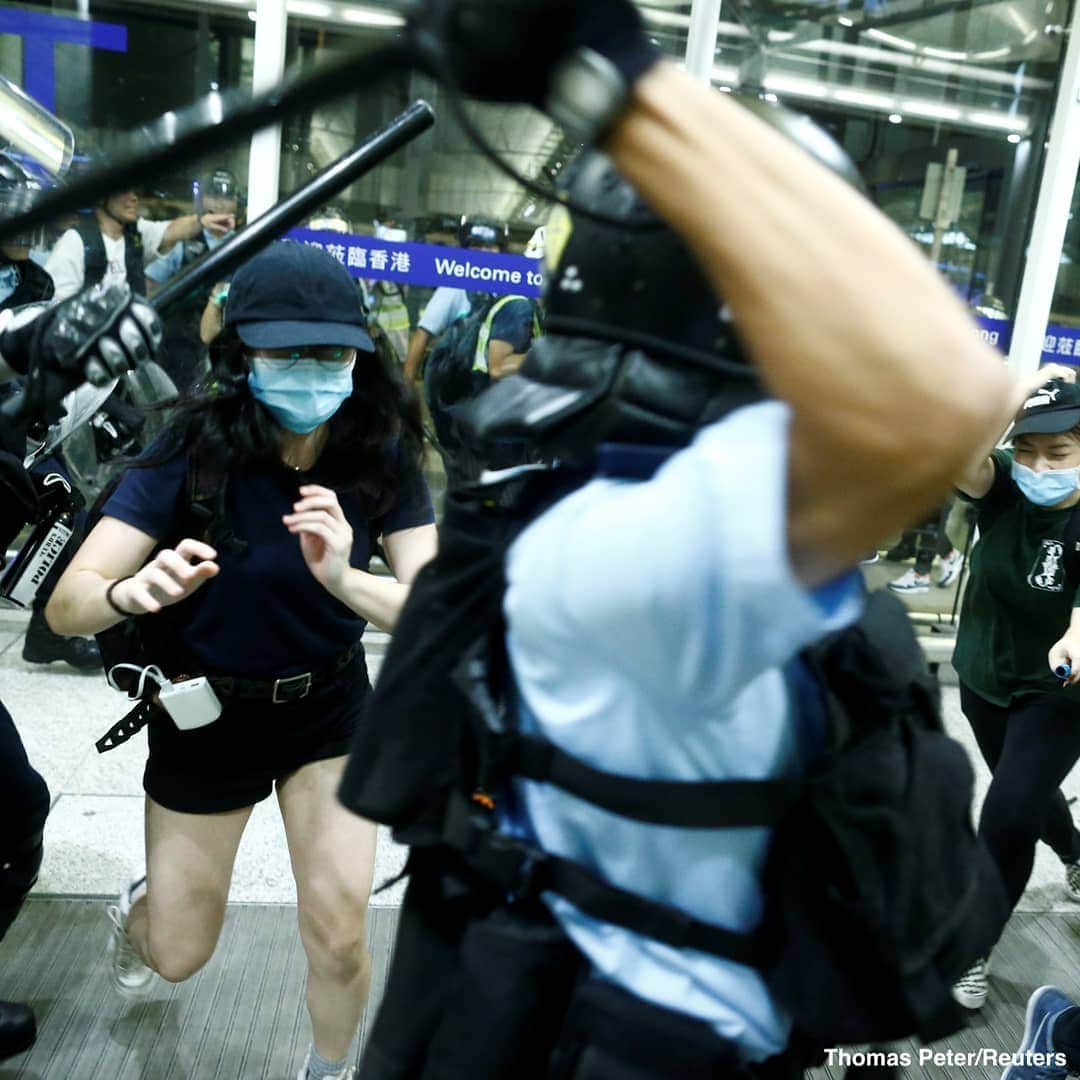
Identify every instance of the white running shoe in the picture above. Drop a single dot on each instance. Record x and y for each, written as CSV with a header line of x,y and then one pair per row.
x,y
130,974
951,565
1072,879
911,582
348,1073
971,989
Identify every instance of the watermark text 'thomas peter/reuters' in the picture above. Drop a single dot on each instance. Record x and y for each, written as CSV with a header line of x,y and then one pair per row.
x,y
984,1057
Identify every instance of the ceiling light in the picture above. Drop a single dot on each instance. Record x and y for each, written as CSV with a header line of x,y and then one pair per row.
x,y
665,18
931,109
371,17
843,20
772,99
1014,138
1000,120
785,84
310,9
895,118
861,97
252,16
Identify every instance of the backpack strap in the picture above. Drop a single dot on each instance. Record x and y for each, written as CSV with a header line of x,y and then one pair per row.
x,y
133,259
94,261
480,357
715,804
208,482
524,872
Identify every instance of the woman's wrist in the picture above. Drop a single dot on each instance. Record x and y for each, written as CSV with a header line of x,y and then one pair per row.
x,y
116,603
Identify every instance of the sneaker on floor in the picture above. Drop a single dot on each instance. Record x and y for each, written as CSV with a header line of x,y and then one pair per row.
x,y
348,1073
971,988
869,560
951,565
1072,879
130,974
911,582
1043,1008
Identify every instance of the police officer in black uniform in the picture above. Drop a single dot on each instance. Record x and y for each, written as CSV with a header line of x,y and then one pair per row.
x,y
24,282
99,334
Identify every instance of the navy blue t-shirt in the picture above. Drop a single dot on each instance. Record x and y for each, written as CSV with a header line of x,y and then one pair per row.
x,y
264,614
514,323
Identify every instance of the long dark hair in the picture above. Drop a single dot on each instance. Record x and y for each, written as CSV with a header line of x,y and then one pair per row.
x,y
374,438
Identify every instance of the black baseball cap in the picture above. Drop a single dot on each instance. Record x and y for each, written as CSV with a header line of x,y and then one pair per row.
x,y
1053,408
290,295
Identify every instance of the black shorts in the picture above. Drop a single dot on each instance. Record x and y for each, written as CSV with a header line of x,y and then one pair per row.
x,y
235,761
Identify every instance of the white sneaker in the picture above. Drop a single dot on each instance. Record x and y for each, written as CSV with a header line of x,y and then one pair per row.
x,y
1072,879
130,974
348,1073
911,582
971,988
951,565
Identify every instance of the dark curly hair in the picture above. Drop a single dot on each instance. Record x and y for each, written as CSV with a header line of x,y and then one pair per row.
x,y
374,437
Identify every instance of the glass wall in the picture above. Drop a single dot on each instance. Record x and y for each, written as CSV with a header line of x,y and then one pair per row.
x,y
906,87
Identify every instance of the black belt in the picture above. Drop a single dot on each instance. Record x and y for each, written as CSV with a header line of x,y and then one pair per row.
x,y
288,689
277,691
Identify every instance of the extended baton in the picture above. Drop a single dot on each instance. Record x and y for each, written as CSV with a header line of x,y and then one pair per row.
x,y
297,208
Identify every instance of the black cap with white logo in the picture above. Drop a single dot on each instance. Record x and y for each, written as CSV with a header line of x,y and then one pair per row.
x,y
1053,408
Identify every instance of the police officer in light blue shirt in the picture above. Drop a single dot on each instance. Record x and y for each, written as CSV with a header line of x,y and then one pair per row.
x,y
739,453
184,354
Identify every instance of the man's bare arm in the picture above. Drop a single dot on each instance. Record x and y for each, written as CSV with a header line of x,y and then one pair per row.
x,y
884,410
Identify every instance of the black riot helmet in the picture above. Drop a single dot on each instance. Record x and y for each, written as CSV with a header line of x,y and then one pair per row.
x,y
18,190
638,349
220,184
478,231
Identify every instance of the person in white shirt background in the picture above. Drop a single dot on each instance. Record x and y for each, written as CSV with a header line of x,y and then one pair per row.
x,y
117,218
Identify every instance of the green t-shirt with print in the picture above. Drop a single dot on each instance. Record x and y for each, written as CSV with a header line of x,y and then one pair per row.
x,y
1017,602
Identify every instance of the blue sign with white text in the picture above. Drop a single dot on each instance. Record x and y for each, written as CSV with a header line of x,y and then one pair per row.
x,y
428,264
1061,344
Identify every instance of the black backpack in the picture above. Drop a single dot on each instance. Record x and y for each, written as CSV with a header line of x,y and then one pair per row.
x,y
878,895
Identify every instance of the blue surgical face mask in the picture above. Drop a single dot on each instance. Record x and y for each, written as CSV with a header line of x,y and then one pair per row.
x,y
213,242
1046,488
300,394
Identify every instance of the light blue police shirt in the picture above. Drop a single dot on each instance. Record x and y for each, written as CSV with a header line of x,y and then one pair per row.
x,y
648,623
170,264
445,307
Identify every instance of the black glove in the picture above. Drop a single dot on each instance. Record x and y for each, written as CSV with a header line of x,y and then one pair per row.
x,y
577,59
94,337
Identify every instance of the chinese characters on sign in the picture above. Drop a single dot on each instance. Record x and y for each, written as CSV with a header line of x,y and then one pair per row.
x,y
428,264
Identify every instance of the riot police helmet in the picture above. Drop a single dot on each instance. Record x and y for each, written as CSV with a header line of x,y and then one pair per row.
x,y
638,349
18,190
477,231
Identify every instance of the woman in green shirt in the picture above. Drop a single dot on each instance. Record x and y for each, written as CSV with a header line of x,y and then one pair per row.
x,y
1019,621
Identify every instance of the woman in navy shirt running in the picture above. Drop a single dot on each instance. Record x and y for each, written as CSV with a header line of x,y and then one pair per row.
x,y
310,446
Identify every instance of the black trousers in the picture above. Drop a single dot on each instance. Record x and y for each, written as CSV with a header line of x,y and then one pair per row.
x,y
1030,748
24,805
